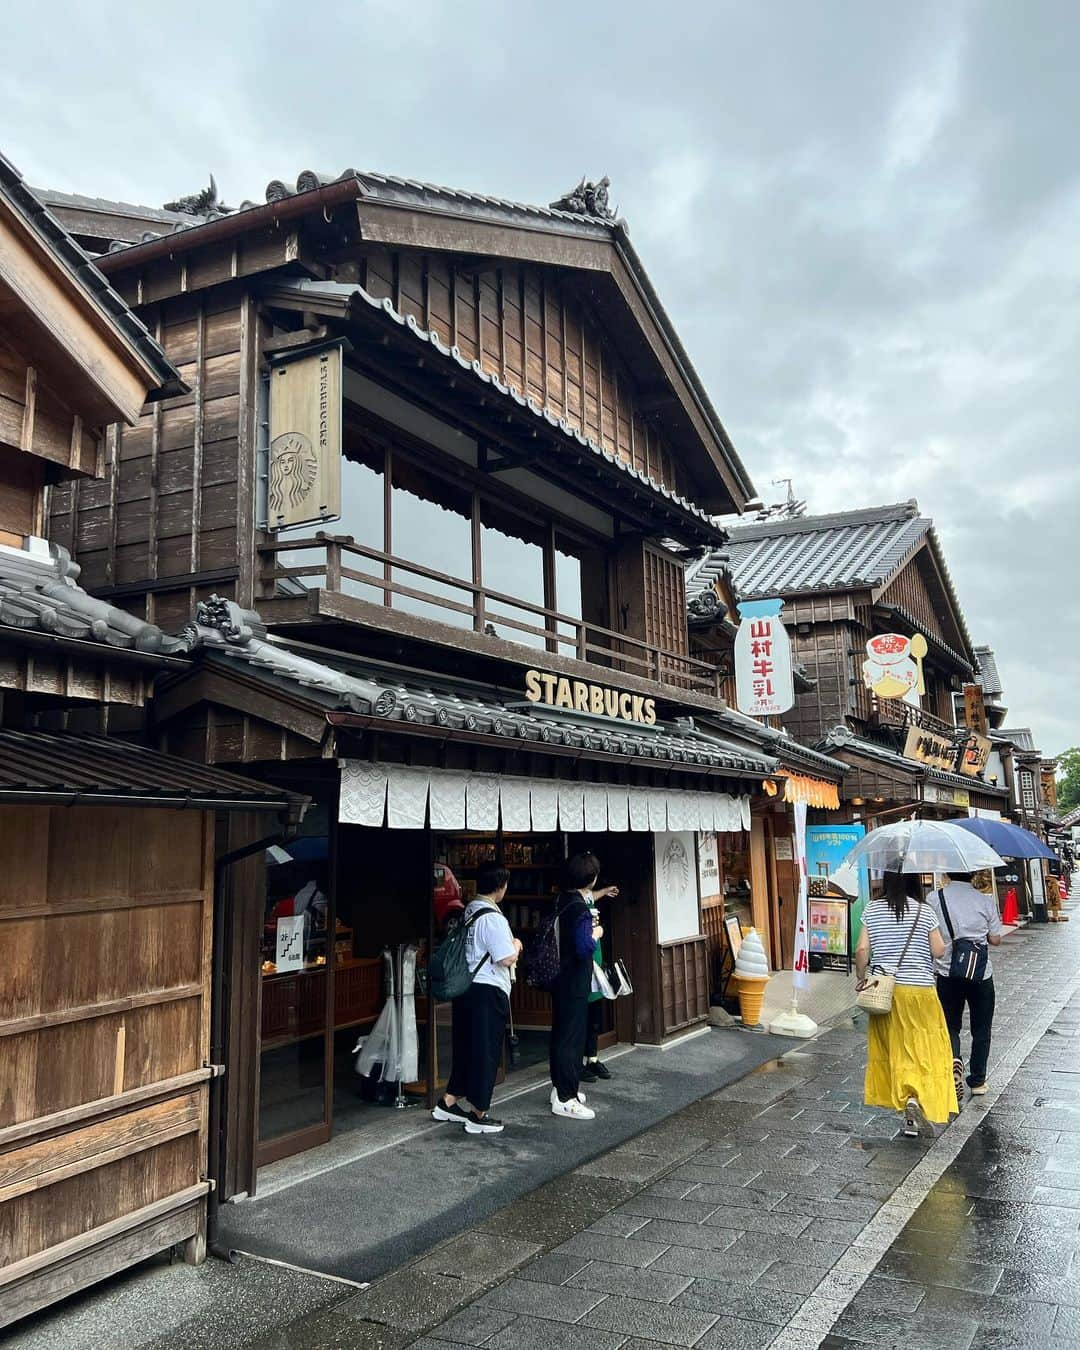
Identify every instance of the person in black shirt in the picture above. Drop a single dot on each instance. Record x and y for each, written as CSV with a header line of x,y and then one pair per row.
x,y
578,936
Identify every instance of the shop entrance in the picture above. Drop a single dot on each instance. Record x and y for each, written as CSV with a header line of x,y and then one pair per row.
x,y
351,915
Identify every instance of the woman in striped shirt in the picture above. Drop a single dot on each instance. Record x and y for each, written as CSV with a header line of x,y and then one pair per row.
x,y
909,1057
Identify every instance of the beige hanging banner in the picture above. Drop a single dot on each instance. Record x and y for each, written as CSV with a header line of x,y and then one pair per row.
x,y
305,439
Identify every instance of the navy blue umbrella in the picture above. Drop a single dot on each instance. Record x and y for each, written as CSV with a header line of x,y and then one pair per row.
x,y
1006,838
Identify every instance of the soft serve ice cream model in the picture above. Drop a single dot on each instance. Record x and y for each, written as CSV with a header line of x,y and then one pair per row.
x,y
752,975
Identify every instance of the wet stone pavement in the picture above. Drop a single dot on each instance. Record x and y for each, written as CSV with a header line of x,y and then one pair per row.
x,y
781,1211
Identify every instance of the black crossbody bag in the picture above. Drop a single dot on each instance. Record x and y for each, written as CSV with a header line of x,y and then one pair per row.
x,y
969,957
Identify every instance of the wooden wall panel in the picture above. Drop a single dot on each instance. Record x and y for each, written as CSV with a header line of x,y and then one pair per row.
x,y
531,329
909,590
175,490
684,983
104,1035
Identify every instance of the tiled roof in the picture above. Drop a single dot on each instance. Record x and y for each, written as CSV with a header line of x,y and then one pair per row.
x,y
346,296
988,675
39,592
51,766
114,309
1071,818
421,196
1021,737
816,553
778,743
842,738
842,551
413,193
339,682
168,221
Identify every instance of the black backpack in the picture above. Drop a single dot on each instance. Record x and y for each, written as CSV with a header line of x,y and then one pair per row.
x,y
541,958
449,972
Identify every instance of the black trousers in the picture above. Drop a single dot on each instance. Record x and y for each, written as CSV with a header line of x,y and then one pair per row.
x,y
569,1028
593,1027
978,997
478,1034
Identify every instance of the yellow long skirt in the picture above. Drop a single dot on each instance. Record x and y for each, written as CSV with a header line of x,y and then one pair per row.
x,y
909,1055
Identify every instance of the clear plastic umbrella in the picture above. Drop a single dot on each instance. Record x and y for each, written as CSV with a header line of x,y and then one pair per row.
x,y
923,846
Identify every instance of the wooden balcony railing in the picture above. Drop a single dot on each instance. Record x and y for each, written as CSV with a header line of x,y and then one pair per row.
x,y
338,563
893,712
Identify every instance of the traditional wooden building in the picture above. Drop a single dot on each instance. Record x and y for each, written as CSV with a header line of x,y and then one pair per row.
x,y
846,578
108,847
770,876
425,511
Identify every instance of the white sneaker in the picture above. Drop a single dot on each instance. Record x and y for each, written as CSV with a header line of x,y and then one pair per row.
x,y
554,1097
574,1109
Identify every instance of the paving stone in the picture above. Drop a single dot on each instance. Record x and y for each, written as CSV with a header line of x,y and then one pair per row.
x,y
814,1207
623,1165
885,1331
927,1270
676,1211
622,1251
473,1325
473,1252
651,1321
842,1231
617,1224
705,1264
553,1268
533,1333
653,1285
671,1188
775,1306
557,1303
327,1330
791,1277
760,1221
1036,1318
823,1254
734,1333
701,1236
411,1300
900,1296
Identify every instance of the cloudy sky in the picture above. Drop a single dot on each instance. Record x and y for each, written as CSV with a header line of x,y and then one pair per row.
x,y
863,218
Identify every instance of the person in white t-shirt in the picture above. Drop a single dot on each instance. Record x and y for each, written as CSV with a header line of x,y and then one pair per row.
x,y
479,1017
967,913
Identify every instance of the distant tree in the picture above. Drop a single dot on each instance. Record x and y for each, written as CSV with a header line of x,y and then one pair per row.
x,y
1068,778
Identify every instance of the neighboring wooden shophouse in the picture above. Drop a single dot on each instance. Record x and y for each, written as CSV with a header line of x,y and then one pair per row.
x,y
420,509
846,578
108,847
767,885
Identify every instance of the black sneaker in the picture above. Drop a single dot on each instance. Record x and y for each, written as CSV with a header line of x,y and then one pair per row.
x,y
442,1110
483,1125
588,1074
599,1069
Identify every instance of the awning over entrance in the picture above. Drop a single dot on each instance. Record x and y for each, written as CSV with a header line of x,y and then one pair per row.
x,y
404,796
57,769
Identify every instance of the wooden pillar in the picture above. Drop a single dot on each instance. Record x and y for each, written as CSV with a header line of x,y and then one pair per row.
x,y
759,880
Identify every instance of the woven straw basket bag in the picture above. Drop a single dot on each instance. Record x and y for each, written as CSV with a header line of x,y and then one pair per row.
x,y
874,993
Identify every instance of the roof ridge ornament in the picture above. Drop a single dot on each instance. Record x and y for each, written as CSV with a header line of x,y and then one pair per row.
x,y
206,203
587,199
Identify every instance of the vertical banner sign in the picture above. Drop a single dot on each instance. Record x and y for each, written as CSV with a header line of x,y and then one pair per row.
x,y
764,685
305,439
975,710
800,977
